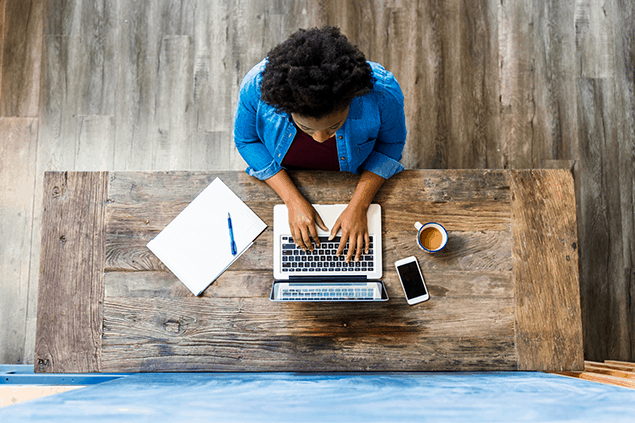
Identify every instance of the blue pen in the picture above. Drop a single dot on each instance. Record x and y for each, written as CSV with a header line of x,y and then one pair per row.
x,y
231,235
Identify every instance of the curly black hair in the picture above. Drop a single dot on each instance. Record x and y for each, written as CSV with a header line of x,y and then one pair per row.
x,y
315,73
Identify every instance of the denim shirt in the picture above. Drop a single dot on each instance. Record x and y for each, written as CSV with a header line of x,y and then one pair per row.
x,y
372,137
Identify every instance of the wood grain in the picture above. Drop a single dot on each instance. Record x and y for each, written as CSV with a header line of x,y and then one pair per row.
x,y
237,283
626,370
71,286
618,373
21,44
96,75
602,263
548,326
3,25
221,334
487,84
429,185
138,55
624,115
467,250
620,364
536,83
606,379
16,213
479,220
489,310
173,142
95,142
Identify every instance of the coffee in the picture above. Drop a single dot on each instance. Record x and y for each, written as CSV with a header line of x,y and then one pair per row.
x,y
431,238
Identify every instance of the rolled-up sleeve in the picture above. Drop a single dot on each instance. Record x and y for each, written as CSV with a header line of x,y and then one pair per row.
x,y
252,149
388,149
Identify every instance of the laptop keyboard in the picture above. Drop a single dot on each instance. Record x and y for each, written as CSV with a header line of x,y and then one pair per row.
x,y
329,291
323,259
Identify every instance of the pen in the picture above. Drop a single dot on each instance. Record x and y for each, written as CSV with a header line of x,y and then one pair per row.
x,y
231,235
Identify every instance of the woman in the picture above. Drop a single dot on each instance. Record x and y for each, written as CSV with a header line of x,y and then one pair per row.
x,y
316,103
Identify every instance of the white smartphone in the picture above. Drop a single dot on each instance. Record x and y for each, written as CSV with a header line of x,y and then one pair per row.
x,y
412,280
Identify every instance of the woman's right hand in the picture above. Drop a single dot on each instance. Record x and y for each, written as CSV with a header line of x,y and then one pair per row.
x,y
302,221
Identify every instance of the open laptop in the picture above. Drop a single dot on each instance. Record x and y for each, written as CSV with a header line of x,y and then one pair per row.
x,y
320,275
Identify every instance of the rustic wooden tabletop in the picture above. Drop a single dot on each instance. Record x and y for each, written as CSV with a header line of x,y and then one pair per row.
x,y
504,292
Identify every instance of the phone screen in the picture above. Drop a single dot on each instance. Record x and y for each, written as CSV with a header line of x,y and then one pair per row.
x,y
412,280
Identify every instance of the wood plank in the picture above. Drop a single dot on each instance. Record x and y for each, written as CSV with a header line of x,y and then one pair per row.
x,y
621,364
3,26
516,78
421,185
624,115
461,216
604,263
95,142
604,48
554,125
594,40
601,368
465,251
58,104
174,104
257,284
96,75
548,325
537,83
69,326
22,46
137,53
594,377
221,334
17,180
56,147
63,17
213,151
130,227
213,76
470,83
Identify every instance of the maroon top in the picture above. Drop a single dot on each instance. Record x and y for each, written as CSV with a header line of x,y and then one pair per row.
x,y
306,153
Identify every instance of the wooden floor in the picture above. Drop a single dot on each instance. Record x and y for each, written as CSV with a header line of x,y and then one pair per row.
x,y
136,85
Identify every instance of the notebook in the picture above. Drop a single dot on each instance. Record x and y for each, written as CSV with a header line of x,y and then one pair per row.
x,y
320,275
196,245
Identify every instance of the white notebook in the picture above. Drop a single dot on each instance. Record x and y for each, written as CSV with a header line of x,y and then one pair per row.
x,y
196,245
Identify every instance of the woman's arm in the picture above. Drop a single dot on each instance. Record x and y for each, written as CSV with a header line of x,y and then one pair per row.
x,y
353,220
302,215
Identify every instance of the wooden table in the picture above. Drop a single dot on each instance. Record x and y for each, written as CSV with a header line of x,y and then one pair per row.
x,y
504,292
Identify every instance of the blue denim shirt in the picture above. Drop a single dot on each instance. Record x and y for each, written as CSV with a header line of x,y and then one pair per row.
x,y
372,137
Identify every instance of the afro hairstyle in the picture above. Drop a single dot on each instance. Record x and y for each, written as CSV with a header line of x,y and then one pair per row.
x,y
315,73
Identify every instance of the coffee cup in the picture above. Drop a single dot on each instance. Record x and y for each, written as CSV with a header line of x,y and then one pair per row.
x,y
431,237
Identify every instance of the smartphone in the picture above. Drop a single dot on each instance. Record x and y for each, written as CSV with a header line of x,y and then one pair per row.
x,y
412,280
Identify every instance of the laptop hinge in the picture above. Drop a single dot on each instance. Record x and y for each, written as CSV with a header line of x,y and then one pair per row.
x,y
328,279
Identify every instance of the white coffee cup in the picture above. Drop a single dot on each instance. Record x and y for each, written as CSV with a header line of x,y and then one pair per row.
x,y
431,237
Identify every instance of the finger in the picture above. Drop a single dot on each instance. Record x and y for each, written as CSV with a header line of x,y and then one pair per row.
x,y
297,238
367,242
314,235
360,245
306,237
340,248
352,245
320,222
336,227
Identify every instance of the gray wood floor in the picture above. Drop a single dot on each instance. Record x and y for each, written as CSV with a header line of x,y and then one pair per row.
x,y
152,85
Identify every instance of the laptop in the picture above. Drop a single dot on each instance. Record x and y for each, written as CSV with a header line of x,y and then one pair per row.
x,y
320,275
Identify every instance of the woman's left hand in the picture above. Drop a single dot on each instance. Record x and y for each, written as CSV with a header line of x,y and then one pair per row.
x,y
354,225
